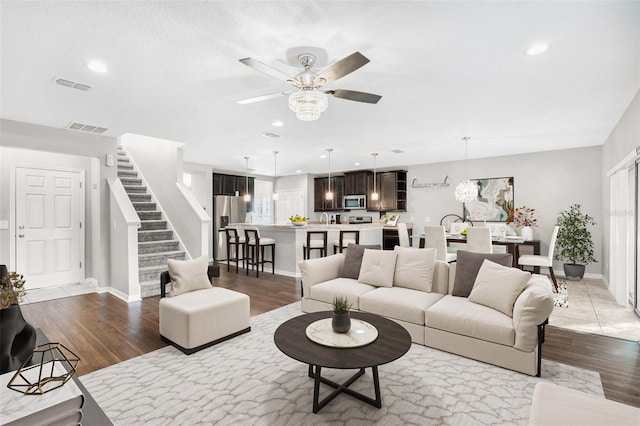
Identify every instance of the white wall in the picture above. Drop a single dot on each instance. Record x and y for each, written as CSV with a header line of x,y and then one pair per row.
x,y
624,138
202,188
160,162
547,181
40,146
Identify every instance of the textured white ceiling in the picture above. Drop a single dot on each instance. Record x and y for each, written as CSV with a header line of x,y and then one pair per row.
x,y
444,69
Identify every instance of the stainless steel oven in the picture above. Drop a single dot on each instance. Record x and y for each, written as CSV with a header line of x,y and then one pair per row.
x,y
355,202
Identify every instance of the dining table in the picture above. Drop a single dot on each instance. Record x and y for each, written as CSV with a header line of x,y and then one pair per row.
x,y
512,243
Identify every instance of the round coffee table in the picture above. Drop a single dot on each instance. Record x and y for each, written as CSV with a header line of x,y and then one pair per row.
x,y
393,341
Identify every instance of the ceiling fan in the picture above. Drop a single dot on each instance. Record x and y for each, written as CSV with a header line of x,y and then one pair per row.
x,y
309,100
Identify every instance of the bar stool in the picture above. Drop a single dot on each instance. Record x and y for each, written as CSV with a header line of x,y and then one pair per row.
x,y
254,253
343,242
315,244
237,242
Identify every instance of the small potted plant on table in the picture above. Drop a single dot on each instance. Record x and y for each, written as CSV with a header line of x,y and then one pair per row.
x,y
341,322
574,243
523,217
18,338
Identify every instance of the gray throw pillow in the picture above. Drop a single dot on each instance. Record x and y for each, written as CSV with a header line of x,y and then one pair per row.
x,y
353,259
467,266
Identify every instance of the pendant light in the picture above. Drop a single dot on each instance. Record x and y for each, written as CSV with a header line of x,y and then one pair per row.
x,y
329,195
275,164
247,196
466,191
374,194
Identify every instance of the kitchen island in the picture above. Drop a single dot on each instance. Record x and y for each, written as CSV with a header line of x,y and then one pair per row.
x,y
290,238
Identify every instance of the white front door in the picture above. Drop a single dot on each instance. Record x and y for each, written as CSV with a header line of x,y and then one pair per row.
x,y
49,226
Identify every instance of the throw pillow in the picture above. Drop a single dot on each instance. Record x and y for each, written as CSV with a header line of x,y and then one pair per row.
x,y
188,275
378,267
498,286
353,260
414,268
467,267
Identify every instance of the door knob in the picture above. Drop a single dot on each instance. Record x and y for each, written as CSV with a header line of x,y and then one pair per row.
x,y
21,227
21,235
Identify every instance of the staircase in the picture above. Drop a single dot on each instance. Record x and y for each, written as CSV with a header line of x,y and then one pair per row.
x,y
155,240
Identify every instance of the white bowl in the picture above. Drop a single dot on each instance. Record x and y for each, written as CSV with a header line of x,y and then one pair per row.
x,y
298,223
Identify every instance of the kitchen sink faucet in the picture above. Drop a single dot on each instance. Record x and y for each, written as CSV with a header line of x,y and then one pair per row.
x,y
323,214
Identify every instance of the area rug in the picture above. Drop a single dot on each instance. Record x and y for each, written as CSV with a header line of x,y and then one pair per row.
x,y
561,297
248,381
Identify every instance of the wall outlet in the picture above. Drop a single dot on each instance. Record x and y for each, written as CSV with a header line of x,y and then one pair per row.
x,y
110,160
427,219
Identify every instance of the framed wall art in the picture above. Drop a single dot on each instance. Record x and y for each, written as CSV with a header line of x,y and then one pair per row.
x,y
494,202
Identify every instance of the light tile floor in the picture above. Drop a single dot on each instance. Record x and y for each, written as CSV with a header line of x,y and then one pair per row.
x,y
50,293
593,309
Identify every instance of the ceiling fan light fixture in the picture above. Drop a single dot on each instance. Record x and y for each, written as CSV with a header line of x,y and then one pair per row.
x,y
308,104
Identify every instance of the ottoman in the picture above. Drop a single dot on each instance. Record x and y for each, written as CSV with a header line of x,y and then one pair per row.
x,y
198,319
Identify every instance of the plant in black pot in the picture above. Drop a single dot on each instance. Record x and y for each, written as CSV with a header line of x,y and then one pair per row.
x,y
17,338
574,244
341,322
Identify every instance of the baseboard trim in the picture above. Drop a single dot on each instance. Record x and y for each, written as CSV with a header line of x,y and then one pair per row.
x,y
120,295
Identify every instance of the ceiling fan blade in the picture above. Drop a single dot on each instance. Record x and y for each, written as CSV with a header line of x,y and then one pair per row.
x,y
352,95
343,67
263,97
267,69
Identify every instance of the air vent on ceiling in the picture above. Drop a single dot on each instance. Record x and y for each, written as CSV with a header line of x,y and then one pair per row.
x,y
73,84
270,135
86,128
397,151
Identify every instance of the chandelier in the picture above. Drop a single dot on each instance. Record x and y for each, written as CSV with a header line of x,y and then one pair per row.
x,y
308,104
466,190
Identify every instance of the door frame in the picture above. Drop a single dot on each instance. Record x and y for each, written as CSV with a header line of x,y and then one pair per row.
x,y
12,211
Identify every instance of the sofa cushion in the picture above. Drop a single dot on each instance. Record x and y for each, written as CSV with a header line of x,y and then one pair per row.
x,y
399,303
498,286
460,316
353,259
351,289
414,268
378,267
467,267
188,275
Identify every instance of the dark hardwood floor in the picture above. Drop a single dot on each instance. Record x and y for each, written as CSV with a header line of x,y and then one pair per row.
x,y
103,330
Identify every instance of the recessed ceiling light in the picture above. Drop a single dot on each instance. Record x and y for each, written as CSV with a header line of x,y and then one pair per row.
x,y
356,164
536,49
97,66
298,171
323,156
277,123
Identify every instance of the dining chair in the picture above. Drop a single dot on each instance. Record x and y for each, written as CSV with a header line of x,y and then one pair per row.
x,y
479,239
539,260
403,235
434,237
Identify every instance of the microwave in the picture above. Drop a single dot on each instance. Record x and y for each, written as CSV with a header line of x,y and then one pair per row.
x,y
355,202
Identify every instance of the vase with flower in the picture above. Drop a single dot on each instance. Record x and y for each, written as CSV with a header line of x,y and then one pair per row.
x,y
18,338
522,217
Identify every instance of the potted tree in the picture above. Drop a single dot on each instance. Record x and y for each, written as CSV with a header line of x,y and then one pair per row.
x,y
574,244
341,322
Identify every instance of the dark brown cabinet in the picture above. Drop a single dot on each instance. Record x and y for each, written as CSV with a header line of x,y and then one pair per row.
x,y
231,184
392,191
321,186
355,183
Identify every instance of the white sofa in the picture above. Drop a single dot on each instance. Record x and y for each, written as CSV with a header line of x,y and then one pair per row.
x,y
438,319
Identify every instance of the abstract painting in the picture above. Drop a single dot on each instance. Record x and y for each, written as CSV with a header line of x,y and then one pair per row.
x,y
494,202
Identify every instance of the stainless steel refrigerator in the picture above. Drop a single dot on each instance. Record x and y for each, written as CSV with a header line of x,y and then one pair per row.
x,y
227,209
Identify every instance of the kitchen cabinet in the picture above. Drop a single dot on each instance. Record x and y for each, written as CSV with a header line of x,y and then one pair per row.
x,y
230,184
390,238
355,183
320,187
392,191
